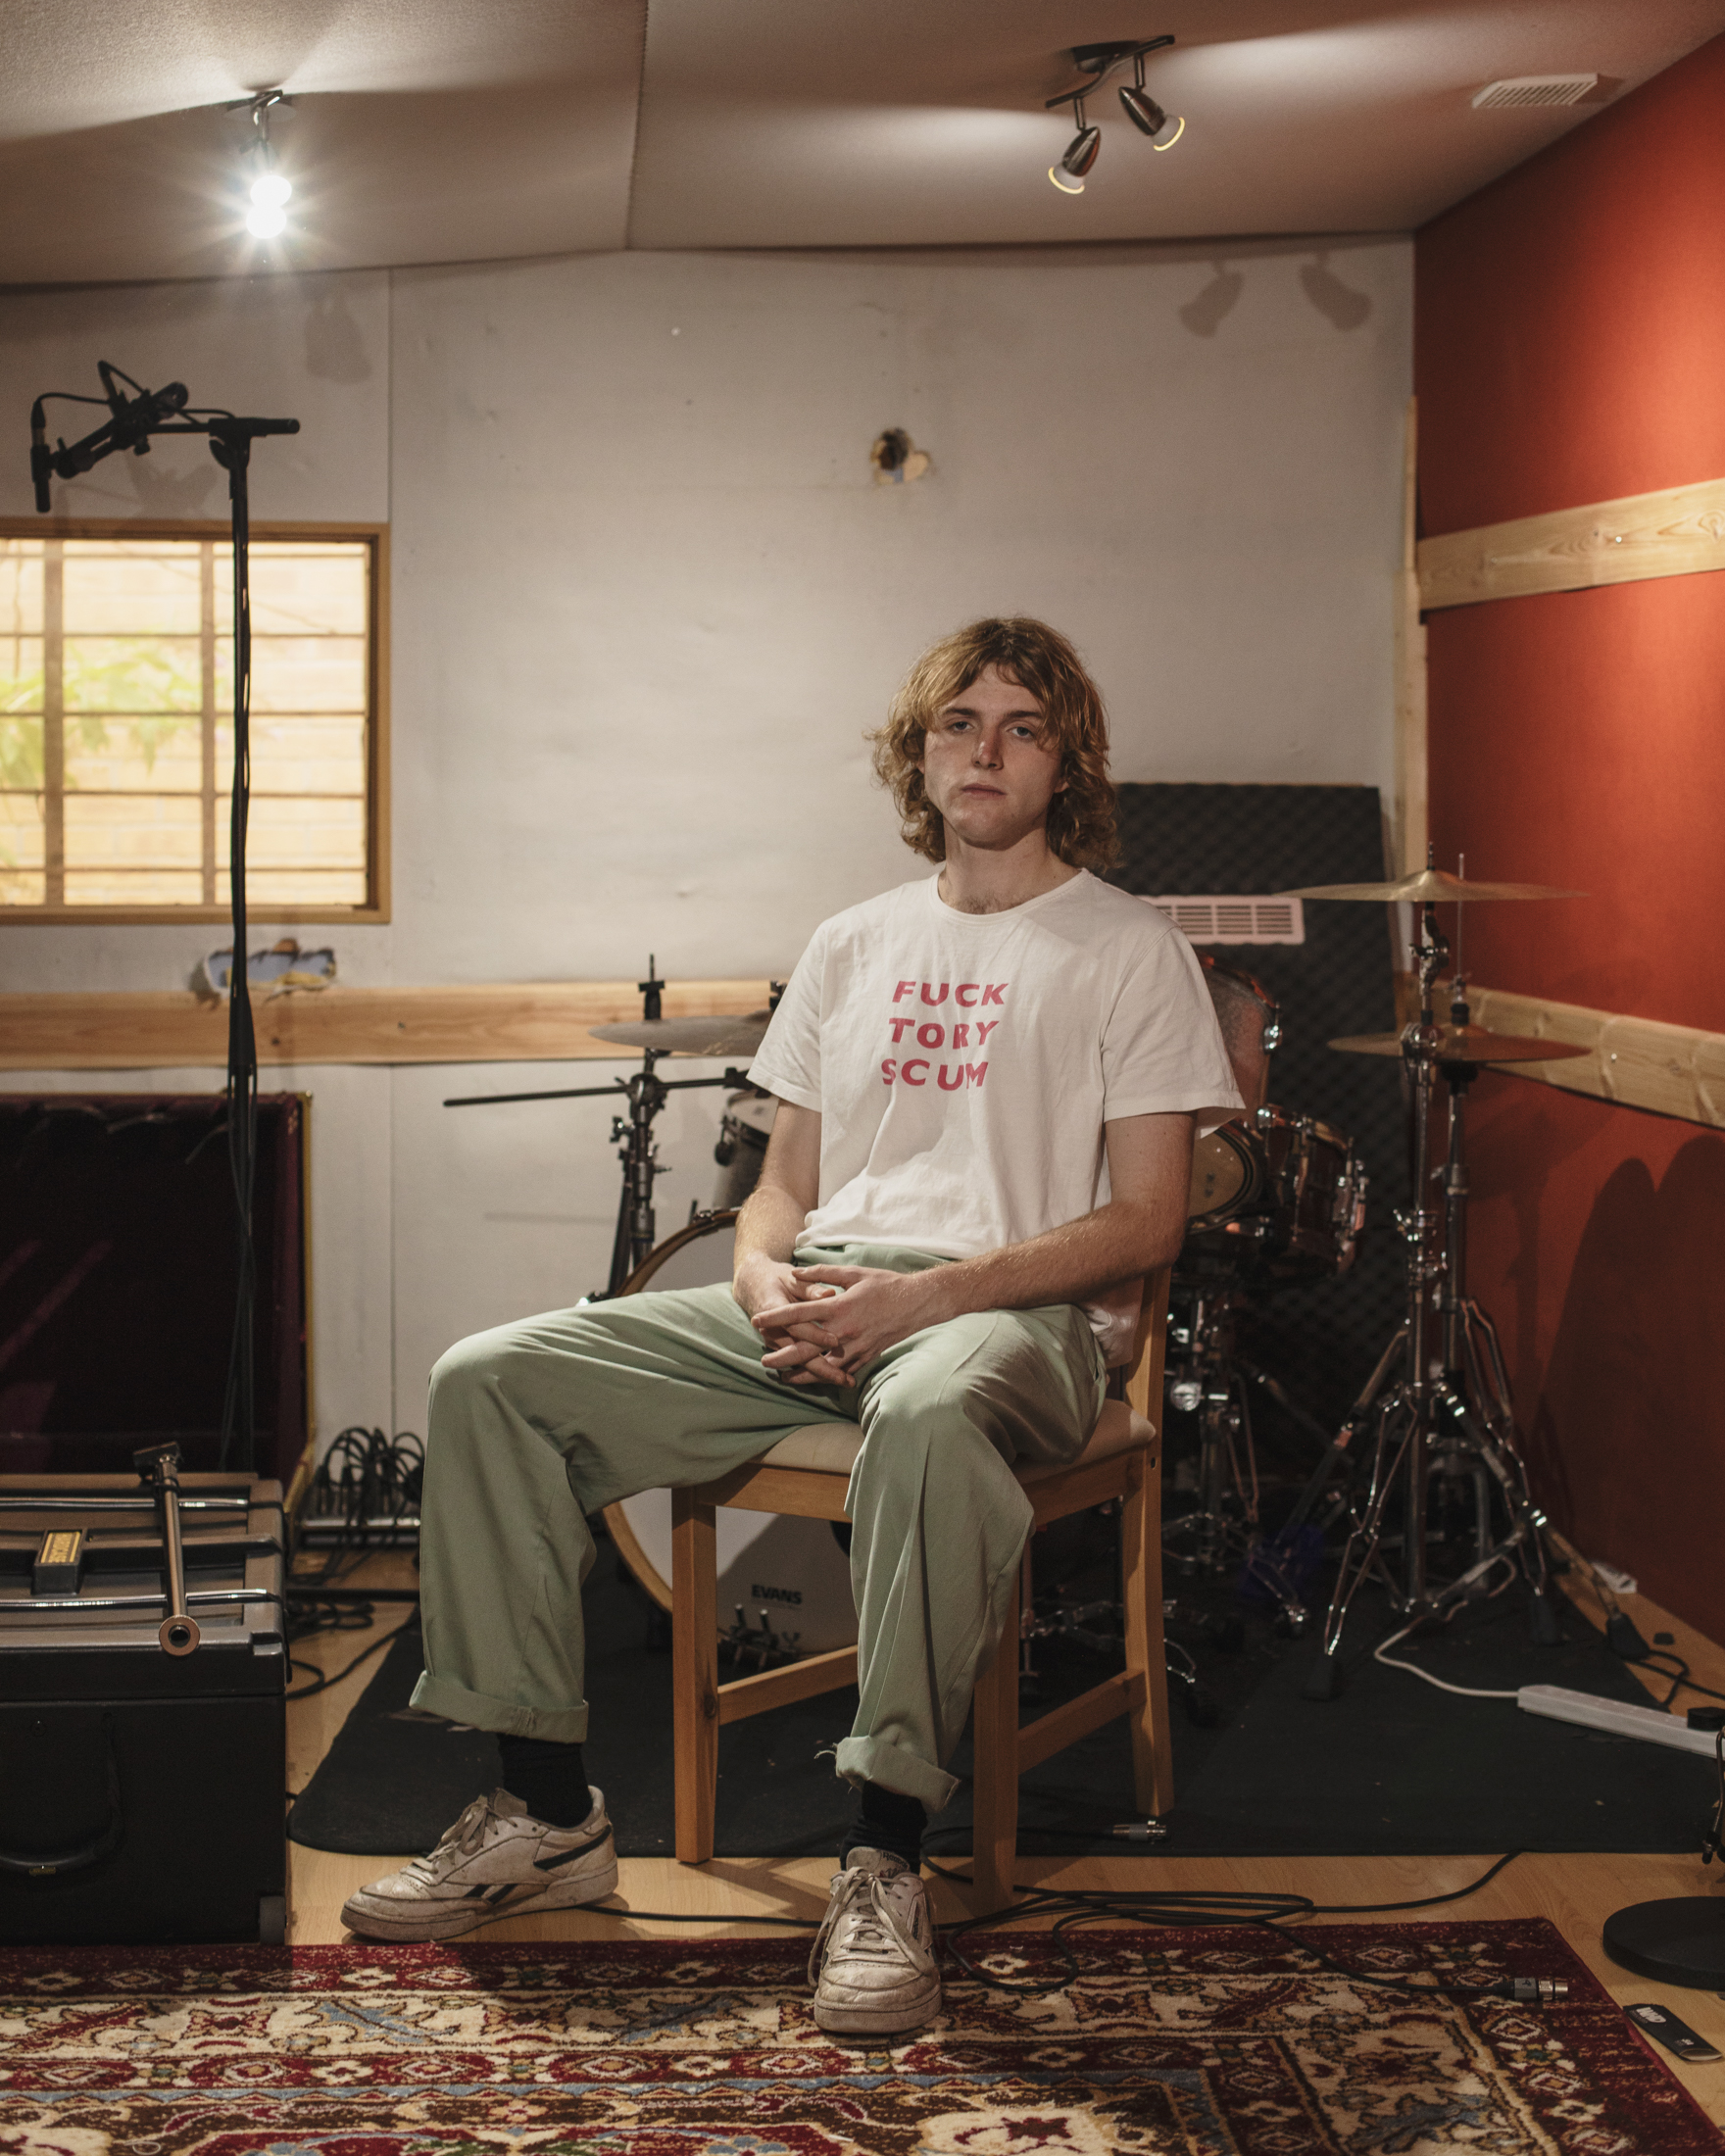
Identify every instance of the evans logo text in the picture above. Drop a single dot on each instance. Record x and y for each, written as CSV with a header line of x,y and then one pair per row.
x,y
793,1596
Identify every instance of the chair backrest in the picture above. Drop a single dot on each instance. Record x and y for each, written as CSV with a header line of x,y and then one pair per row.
x,y
1143,1374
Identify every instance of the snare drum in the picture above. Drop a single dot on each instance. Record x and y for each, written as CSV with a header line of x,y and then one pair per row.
x,y
789,1572
1274,1194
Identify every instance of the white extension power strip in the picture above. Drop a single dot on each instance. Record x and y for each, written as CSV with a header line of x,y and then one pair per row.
x,y
1614,1716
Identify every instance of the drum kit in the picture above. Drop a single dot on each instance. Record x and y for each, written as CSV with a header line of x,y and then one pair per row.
x,y
1276,1199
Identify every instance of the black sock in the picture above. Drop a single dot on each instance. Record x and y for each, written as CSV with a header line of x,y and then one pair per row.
x,y
886,1819
549,1779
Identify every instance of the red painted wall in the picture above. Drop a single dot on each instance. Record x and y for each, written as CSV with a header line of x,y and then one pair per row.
x,y
1570,347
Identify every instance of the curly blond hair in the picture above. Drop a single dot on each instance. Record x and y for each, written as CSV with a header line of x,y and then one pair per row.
x,y
1081,816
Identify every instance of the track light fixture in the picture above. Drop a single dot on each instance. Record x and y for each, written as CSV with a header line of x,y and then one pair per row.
x,y
268,190
1097,63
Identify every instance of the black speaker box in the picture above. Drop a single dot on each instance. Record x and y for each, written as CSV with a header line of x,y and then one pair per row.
x,y
141,1792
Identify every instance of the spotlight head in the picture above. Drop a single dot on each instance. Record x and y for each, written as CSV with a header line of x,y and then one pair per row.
x,y
266,220
1079,156
1148,116
272,192
1143,110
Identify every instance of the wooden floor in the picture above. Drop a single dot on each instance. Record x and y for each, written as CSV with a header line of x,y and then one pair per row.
x,y
1576,1893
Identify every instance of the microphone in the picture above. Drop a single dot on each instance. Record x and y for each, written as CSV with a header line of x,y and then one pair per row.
x,y
41,457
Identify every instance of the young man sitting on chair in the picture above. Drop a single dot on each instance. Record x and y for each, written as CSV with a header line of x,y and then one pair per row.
x,y
988,1081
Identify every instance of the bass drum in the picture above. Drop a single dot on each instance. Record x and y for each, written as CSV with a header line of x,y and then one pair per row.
x,y
788,1574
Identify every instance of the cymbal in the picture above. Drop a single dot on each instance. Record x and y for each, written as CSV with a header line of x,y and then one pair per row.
x,y
1430,886
1468,1045
690,1036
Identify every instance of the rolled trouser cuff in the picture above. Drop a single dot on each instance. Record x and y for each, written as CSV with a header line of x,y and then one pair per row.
x,y
891,1767
503,1717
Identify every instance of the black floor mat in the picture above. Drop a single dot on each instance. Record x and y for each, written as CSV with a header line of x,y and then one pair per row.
x,y
1392,1767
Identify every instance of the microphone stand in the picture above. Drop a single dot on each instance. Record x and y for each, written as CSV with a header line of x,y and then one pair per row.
x,y
131,421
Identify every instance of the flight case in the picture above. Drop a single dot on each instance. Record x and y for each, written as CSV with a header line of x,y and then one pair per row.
x,y
143,1668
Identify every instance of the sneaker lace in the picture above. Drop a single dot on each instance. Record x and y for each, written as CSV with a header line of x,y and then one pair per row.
x,y
462,1839
860,1900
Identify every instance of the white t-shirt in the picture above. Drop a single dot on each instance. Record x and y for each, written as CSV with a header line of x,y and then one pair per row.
x,y
963,1064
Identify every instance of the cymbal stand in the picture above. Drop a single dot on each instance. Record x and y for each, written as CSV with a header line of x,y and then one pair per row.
x,y
1448,1410
632,1134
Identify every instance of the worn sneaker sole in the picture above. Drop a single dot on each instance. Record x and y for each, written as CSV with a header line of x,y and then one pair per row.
x,y
450,1919
875,2020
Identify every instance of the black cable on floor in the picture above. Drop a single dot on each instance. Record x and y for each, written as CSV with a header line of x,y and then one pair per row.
x,y
1172,1907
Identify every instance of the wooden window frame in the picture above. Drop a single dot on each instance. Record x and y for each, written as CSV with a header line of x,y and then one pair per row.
x,y
376,908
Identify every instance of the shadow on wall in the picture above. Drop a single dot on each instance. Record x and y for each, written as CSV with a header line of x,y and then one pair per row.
x,y
1629,1438
1337,303
1204,314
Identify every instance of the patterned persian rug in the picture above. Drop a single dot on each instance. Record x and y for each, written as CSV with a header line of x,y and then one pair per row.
x,y
1167,2043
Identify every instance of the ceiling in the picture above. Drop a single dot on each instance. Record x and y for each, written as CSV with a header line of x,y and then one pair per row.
x,y
445,131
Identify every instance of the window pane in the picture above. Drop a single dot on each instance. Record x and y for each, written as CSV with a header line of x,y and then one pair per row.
x,y
295,833
21,831
161,756
301,887
115,886
21,587
134,831
109,594
306,673
308,593
133,673
21,753
20,673
302,756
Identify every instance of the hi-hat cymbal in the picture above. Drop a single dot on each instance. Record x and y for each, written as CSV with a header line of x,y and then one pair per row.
x,y
690,1036
1430,886
1467,1045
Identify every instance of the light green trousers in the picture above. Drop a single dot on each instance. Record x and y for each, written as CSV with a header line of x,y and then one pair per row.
x,y
535,1425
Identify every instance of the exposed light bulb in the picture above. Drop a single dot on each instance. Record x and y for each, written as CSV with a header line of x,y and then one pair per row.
x,y
265,219
1179,128
1067,182
271,190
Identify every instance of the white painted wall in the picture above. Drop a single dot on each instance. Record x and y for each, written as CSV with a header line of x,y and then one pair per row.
x,y
647,600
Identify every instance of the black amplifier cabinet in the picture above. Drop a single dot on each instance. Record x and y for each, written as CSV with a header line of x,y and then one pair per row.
x,y
141,1791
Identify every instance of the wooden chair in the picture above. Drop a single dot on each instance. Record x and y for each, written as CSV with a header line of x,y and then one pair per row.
x,y
807,1473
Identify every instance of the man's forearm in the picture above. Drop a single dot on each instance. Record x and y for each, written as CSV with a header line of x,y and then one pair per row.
x,y
769,1223
1068,1264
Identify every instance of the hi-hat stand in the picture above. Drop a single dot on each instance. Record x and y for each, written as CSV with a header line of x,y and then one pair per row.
x,y
632,1134
1437,1409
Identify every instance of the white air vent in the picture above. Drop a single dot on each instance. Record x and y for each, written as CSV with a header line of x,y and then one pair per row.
x,y
1534,89
1236,920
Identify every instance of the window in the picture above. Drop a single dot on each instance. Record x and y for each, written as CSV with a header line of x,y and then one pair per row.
x,y
117,724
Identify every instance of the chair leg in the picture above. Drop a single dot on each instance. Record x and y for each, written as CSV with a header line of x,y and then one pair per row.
x,y
993,1781
1140,1569
694,1663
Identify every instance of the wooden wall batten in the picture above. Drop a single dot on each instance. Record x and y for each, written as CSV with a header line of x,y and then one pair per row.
x,y
480,1022
1675,531
1636,1062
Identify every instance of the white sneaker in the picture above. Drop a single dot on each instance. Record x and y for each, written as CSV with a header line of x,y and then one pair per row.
x,y
872,1964
495,1861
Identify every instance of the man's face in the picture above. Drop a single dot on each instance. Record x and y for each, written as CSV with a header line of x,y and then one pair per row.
x,y
988,765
